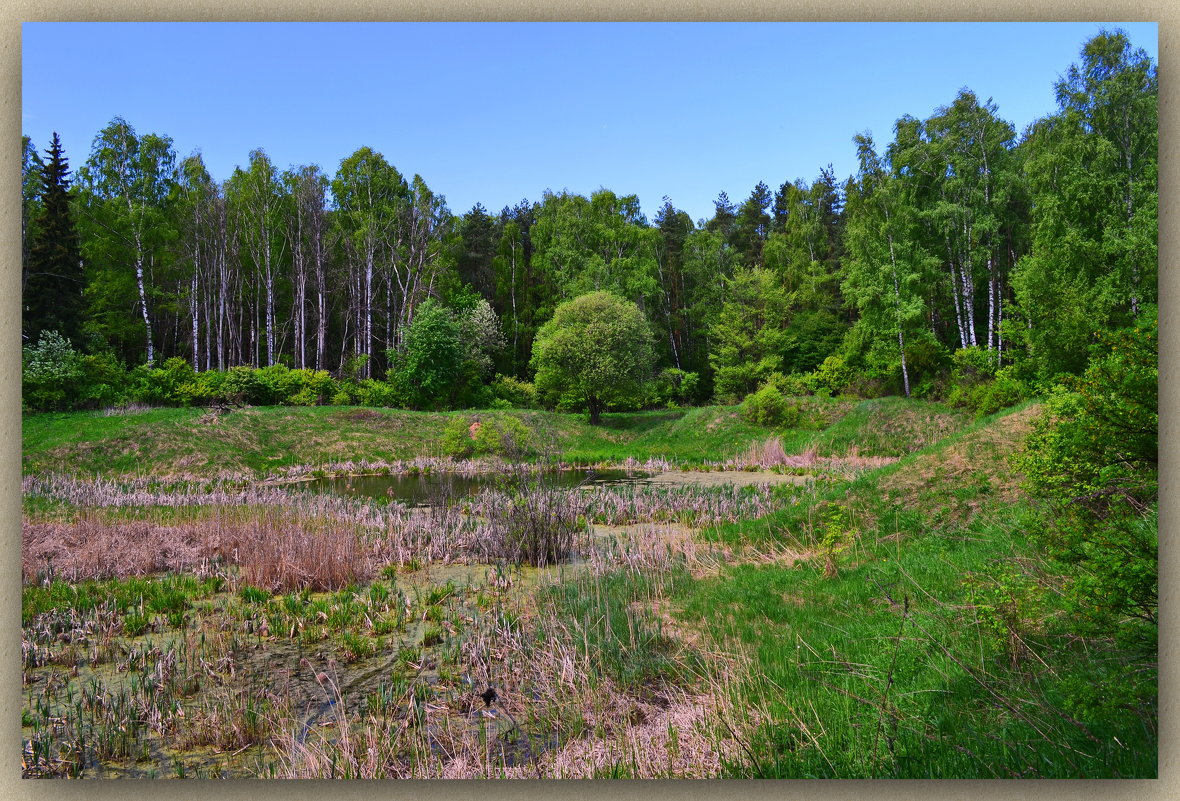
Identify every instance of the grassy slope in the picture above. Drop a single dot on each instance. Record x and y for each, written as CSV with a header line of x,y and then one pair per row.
x,y
928,644
254,440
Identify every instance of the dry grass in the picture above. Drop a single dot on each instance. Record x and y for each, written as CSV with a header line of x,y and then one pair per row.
x,y
770,453
269,550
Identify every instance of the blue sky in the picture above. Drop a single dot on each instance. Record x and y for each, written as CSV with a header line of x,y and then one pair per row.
x,y
498,112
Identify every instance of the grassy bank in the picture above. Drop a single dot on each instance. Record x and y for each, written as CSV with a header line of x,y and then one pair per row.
x,y
926,636
259,440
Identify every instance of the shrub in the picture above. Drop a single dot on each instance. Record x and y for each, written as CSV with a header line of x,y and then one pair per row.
x,y
371,392
516,393
834,375
503,436
206,388
240,385
978,385
104,382
456,439
537,525
1093,460
768,407
315,388
792,385
672,387
161,386
51,370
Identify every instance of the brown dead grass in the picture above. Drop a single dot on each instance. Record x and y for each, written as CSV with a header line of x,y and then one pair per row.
x,y
268,550
667,736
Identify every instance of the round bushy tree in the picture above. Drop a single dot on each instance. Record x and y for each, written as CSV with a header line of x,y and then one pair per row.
x,y
598,347
429,366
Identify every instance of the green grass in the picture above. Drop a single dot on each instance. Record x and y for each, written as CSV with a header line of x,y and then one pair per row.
x,y
935,643
924,634
628,648
165,594
257,441
907,664
890,427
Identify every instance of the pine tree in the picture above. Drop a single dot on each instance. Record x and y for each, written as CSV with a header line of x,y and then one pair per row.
x,y
53,291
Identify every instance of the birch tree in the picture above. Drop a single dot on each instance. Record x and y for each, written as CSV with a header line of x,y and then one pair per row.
x,y
886,263
256,201
1092,171
125,186
370,195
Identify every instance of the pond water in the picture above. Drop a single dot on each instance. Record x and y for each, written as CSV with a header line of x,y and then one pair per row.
x,y
422,490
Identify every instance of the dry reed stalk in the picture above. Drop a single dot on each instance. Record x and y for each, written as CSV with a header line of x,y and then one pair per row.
x,y
270,550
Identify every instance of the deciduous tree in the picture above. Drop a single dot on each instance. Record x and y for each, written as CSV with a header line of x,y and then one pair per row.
x,y
598,347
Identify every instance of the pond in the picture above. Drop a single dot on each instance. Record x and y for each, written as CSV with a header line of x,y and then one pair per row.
x,y
422,489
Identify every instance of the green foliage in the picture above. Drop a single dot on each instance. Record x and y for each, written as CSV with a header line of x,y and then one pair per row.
x,y
833,376
978,385
51,369
768,407
508,437
456,440
672,387
104,383
54,280
371,392
163,386
1092,171
430,364
750,335
509,392
1093,458
597,347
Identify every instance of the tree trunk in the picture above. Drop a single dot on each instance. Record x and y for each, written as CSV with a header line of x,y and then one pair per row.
x,y
595,411
147,323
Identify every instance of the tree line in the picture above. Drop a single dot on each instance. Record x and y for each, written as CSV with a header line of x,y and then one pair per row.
x,y
959,251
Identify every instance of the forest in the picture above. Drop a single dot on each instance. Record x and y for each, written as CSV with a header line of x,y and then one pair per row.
x,y
962,261
857,478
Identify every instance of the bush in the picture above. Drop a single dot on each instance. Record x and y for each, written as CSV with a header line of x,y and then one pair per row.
x,y
315,388
104,382
464,437
240,385
505,436
833,376
371,392
672,387
978,385
537,525
792,385
1093,459
206,388
516,393
51,371
456,439
767,407
161,386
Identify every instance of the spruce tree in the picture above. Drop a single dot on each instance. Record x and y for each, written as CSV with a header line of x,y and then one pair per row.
x,y
53,291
